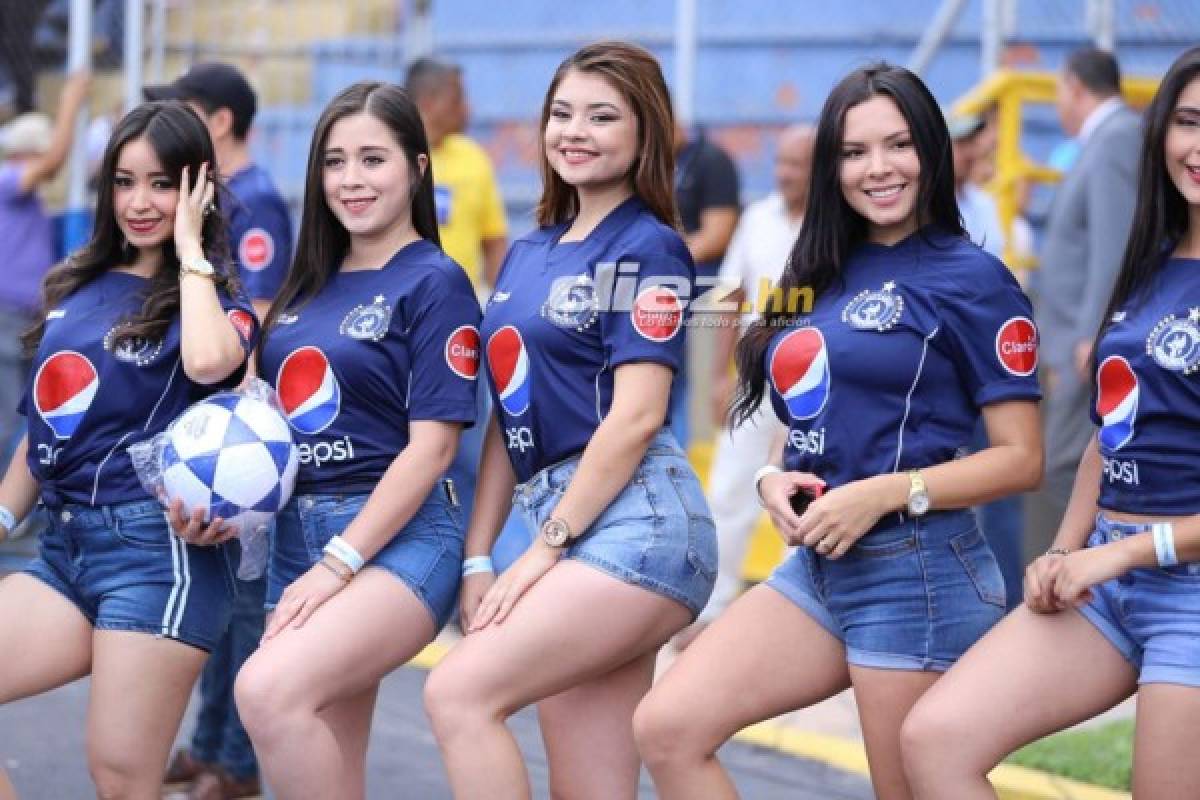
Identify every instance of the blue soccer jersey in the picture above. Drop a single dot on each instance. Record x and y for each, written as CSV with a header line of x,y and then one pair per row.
x,y
92,396
373,351
1147,397
565,315
260,232
889,370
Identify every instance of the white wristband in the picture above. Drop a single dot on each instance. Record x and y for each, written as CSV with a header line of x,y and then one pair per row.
x,y
769,469
477,564
8,519
1164,544
343,551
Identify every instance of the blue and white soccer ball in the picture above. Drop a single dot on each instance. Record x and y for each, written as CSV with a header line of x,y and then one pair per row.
x,y
232,456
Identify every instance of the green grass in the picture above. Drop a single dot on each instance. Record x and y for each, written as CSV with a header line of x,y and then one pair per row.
x,y
1102,756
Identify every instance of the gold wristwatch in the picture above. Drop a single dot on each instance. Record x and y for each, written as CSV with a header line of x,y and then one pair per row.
x,y
197,266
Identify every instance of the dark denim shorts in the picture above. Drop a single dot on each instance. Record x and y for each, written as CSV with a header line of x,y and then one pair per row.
x,y
125,570
1151,615
426,554
657,533
911,595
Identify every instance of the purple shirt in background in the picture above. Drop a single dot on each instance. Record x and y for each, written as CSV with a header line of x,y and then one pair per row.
x,y
26,242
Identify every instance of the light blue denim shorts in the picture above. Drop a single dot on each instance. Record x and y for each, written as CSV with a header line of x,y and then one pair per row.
x,y
657,533
1151,615
426,554
125,571
912,594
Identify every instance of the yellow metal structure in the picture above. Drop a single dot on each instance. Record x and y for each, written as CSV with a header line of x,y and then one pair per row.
x,y
1007,92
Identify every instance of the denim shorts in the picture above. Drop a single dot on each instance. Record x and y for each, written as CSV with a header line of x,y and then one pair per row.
x,y
1151,615
912,594
124,569
657,533
426,554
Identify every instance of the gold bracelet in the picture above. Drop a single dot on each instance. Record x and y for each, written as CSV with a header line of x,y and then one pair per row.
x,y
344,577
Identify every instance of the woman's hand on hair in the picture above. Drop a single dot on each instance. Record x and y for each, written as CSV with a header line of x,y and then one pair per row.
x,y
834,522
195,202
776,492
193,530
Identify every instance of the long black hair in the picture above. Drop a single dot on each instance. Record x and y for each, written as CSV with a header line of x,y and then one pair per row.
x,y
323,241
179,139
832,230
1160,218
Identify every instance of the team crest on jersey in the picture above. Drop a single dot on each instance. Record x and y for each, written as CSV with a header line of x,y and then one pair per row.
x,y
367,322
874,309
132,349
572,303
1174,343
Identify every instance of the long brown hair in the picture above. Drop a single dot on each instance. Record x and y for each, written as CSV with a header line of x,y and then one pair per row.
x,y
323,241
179,139
634,73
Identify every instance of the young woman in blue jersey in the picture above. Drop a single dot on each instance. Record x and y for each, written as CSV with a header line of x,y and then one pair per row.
x,y
137,325
1113,608
583,335
373,346
913,332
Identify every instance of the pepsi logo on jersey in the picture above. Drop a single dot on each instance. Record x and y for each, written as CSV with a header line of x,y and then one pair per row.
x,y
508,360
63,390
311,398
1118,392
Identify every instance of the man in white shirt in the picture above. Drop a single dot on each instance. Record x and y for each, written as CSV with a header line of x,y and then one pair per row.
x,y
753,263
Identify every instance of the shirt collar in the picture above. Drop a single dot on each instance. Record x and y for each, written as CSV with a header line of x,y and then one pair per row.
x,y
1098,115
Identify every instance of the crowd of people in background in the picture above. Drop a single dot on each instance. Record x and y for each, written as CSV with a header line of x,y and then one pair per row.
x,y
532,485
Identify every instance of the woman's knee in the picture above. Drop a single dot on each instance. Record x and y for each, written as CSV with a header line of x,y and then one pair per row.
x,y
452,700
927,736
665,733
121,775
264,692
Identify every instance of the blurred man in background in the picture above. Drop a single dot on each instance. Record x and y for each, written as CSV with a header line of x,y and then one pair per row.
x,y
470,210
707,196
1082,249
471,219
757,253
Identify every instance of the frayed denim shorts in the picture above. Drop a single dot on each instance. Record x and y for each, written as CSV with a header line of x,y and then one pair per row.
x,y
126,571
657,533
912,594
1151,615
426,554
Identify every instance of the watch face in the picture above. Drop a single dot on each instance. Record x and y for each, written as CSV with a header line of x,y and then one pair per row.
x,y
555,532
918,504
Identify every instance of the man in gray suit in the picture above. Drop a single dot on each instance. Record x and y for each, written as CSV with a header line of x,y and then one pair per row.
x,y
1085,239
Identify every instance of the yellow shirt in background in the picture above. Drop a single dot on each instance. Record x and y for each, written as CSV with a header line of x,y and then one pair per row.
x,y
469,206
